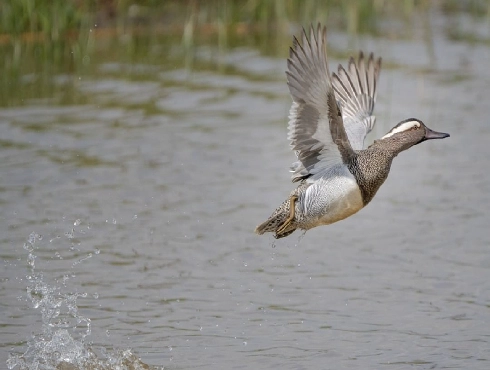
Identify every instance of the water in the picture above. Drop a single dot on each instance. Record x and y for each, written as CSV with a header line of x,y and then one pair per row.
x,y
128,212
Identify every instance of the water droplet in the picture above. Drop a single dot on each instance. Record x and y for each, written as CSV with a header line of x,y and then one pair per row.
x,y
70,234
114,221
108,332
97,251
95,295
31,259
245,343
56,237
77,222
28,247
32,238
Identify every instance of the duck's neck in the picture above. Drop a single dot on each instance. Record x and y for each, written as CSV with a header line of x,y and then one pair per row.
x,y
392,146
372,165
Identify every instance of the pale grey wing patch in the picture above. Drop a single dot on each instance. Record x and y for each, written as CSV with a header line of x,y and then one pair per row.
x,y
308,141
307,133
309,128
356,132
355,89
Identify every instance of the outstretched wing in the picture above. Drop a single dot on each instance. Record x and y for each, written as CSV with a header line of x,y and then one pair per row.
x,y
355,89
315,129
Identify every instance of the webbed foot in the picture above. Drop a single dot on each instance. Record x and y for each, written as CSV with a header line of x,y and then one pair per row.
x,y
285,225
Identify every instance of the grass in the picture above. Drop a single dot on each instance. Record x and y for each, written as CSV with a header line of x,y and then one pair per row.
x,y
46,38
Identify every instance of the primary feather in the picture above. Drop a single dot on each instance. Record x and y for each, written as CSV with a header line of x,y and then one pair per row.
x,y
355,89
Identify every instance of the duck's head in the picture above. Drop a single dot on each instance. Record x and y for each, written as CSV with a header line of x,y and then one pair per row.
x,y
411,132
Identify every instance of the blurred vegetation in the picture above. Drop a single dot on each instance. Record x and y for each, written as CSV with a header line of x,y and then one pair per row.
x,y
40,39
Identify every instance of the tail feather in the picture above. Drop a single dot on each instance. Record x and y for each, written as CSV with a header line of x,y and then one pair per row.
x,y
271,225
275,221
281,214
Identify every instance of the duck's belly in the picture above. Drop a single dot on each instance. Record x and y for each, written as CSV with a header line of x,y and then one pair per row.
x,y
331,199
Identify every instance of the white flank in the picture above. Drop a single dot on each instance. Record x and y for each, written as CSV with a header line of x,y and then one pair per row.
x,y
403,127
332,196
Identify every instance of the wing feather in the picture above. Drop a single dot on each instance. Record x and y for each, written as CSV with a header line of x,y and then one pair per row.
x,y
316,131
355,88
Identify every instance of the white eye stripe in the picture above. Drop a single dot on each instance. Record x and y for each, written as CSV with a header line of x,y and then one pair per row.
x,y
403,127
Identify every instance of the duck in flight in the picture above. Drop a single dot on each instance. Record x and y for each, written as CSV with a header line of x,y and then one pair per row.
x,y
330,116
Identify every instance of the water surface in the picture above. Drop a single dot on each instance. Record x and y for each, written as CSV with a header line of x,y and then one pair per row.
x,y
146,180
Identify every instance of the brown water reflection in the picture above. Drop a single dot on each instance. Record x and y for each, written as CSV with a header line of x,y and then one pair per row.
x,y
168,170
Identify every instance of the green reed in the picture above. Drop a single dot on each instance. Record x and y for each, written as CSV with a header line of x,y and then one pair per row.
x,y
40,39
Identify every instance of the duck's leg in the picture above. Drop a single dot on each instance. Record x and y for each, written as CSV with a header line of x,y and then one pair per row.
x,y
292,201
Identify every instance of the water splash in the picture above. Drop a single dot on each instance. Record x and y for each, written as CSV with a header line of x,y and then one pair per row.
x,y
61,342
